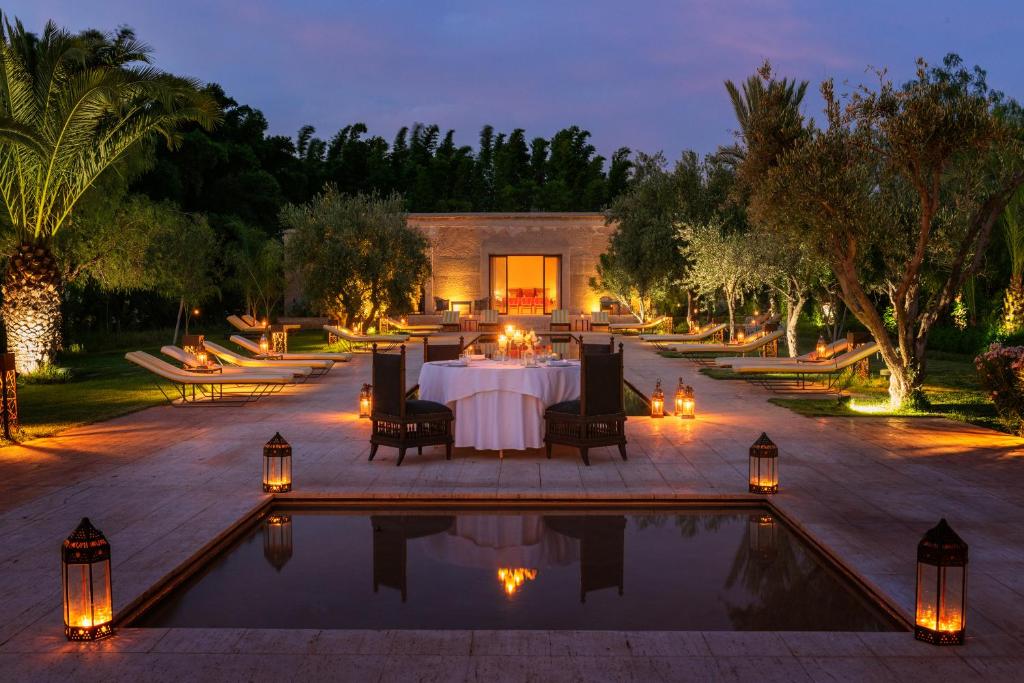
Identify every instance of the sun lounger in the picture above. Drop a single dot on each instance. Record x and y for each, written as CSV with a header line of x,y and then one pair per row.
x,y
254,348
365,341
811,357
316,367
244,327
423,330
188,360
757,344
829,370
196,388
663,321
661,341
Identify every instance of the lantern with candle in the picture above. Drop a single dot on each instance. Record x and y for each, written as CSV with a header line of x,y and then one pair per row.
x,y
264,344
741,335
658,401
365,401
685,403
277,465
85,565
820,349
941,586
764,466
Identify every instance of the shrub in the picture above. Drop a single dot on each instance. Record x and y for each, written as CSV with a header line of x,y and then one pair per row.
x,y
1001,372
46,374
972,340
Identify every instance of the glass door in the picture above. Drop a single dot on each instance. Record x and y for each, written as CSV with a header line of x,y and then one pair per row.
x,y
525,284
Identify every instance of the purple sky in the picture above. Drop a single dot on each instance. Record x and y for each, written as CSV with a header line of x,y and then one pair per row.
x,y
645,74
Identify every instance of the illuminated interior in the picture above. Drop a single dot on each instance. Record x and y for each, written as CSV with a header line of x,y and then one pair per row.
x,y
525,285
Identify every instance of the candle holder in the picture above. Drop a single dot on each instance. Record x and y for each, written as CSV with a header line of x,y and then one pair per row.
x,y
941,587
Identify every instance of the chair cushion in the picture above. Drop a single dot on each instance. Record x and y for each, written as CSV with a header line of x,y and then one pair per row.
x,y
418,407
568,407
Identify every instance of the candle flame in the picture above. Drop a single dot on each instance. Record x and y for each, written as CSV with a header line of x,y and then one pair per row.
x,y
512,579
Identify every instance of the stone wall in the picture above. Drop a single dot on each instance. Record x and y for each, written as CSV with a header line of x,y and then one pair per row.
x,y
461,243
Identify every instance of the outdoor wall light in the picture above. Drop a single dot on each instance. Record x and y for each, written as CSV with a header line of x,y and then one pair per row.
x,y
764,466
85,565
941,587
277,465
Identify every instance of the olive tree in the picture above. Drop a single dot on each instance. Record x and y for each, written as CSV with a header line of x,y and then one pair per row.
x,y
720,261
355,256
898,192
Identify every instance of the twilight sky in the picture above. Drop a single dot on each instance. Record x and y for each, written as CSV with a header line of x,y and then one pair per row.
x,y
643,73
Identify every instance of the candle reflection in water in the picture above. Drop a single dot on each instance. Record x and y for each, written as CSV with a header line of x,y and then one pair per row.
x,y
512,579
764,534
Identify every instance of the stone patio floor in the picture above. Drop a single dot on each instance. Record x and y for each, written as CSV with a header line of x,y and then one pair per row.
x,y
164,482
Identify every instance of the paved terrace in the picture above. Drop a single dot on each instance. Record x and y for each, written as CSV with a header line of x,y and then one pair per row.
x,y
163,482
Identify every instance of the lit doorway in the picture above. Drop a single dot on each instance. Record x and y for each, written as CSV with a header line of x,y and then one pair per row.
x,y
525,284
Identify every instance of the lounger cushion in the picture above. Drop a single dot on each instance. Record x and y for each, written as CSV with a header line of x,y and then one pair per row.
x,y
419,407
568,407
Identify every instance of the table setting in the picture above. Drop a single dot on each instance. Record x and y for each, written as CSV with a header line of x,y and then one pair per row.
x,y
499,402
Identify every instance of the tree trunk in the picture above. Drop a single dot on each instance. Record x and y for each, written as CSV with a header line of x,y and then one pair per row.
x,y
31,307
793,309
177,322
732,323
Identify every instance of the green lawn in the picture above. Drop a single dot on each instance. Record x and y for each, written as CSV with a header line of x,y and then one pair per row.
x,y
104,385
951,386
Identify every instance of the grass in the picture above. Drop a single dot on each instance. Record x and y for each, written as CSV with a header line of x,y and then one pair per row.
x,y
103,385
951,387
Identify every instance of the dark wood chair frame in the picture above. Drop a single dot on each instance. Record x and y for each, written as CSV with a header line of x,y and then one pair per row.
x,y
585,431
598,348
392,426
442,351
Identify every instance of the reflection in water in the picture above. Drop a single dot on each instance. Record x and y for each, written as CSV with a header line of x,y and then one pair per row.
x,y
277,540
764,536
513,579
692,569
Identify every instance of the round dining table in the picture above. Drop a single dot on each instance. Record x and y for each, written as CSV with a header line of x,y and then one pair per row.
x,y
499,405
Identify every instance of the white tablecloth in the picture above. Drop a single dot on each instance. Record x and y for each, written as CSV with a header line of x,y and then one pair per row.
x,y
492,541
499,406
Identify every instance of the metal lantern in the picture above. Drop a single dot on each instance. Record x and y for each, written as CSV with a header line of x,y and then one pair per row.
x,y
277,465
365,401
277,539
85,573
685,403
821,348
658,401
8,395
202,357
941,587
264,344
764,536
741,335
764,466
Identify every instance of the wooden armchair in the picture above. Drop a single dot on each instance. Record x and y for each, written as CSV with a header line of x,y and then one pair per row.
x,y
442,351
599,321
399,422
488,322
598,348
598,417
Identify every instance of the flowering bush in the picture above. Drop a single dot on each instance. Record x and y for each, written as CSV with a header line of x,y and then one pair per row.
x,y
1001,371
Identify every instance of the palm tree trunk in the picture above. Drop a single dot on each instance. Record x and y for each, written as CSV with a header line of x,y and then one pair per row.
x,y
31,307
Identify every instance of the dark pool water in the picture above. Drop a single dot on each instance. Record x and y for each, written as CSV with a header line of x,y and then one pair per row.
x,y
706,569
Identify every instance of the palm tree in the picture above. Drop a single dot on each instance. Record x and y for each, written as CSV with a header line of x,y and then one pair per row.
x,y
70,108
762,96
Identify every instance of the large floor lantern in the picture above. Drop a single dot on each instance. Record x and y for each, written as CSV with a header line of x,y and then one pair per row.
x,y
820,349
85,565
941,586
764,466
277,465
